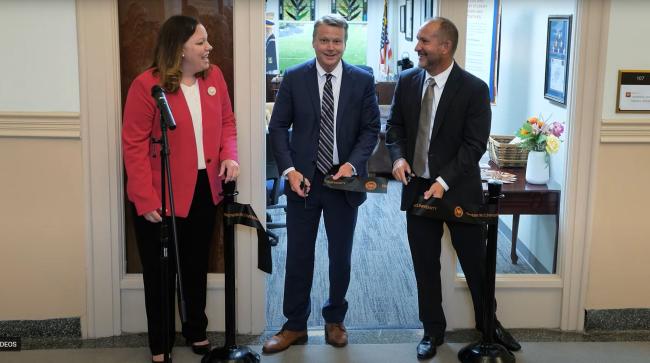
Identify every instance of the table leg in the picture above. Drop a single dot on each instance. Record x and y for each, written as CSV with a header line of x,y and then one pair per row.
x,y
557,232
515,230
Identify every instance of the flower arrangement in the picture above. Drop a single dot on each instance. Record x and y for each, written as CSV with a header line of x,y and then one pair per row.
x,y
537,134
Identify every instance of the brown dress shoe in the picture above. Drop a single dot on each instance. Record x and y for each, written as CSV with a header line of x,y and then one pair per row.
x,y
283,340
336,335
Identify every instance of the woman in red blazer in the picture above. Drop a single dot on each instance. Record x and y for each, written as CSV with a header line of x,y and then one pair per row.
x,y
203,152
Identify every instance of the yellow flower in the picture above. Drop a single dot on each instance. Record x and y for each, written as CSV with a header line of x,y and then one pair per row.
x,y
552,144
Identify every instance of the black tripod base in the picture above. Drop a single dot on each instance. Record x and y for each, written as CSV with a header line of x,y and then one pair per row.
x,y
235,353
480,352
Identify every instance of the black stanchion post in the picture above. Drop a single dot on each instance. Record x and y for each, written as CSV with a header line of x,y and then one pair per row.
x,y
230,352
486,350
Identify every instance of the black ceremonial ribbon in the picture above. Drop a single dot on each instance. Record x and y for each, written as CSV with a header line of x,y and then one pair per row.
x,y
440,209
357,184
237,213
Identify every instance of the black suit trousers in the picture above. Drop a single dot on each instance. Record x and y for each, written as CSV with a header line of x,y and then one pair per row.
x,y
194,234
425,235
303,218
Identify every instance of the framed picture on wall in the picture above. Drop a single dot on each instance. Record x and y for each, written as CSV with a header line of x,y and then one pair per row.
x,y
558,48
402,18
427,10
409,20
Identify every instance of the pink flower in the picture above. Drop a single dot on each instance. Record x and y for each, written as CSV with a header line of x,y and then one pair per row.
x,y
556,129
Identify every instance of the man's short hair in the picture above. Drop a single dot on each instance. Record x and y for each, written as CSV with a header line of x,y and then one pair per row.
x,y
448,31
331,20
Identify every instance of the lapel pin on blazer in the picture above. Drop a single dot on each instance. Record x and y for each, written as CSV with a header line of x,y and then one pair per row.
x,y
212,91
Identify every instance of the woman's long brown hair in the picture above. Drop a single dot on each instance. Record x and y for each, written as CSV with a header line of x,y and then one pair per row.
x,y
168,54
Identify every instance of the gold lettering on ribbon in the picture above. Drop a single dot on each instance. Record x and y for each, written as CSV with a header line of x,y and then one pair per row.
x,y
248,216
424,206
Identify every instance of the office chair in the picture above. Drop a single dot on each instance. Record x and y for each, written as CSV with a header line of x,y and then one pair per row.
x,y
365,68
274,189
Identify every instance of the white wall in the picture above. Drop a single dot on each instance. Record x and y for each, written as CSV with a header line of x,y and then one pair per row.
x,y
521,95
403,45
39,56
41,187
627,49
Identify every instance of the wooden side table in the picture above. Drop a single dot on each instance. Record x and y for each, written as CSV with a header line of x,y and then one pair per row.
x,y
524,198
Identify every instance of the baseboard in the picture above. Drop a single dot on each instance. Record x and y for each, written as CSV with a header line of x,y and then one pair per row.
x,y
63,327
524,251
617,319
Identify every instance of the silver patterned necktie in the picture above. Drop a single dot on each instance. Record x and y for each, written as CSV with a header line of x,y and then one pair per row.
x,y
421,155
326,137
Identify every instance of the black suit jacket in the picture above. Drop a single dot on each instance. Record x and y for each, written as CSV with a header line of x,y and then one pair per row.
x,y
458,139
298,107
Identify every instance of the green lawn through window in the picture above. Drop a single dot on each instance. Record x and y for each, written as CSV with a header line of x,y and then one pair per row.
x,y
294,44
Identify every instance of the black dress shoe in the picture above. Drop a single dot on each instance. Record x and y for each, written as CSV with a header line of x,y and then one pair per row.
x,y
427,347
199,349
503,337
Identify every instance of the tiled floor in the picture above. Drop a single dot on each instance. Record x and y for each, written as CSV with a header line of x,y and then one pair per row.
x,y
540,352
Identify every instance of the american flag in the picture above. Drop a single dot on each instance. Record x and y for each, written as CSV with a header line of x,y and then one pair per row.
x,y
385,53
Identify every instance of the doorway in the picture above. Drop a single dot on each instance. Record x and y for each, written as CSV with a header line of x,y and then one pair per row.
x,y
529,281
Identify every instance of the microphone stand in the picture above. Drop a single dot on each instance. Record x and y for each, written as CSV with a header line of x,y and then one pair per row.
x,y
230,352
165,241
486,350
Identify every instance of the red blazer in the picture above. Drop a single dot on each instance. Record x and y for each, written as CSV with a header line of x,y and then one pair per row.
x,y
142,157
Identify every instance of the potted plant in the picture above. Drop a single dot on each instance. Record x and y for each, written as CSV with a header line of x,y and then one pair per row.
x,y
541,138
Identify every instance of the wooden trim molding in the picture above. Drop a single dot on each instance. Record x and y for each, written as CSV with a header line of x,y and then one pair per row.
x,y
625,131
99,93
592,25
40,124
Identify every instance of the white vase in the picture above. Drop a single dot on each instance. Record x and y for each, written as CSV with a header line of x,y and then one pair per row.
x,y
537,170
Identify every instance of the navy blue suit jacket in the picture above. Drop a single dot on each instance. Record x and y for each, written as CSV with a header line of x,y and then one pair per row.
x,y
298,106
459,137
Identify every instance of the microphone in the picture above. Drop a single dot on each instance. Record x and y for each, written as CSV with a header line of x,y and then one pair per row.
x,y
161,101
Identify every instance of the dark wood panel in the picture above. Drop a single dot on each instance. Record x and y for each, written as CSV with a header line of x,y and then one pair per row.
x,y
139,23
530,203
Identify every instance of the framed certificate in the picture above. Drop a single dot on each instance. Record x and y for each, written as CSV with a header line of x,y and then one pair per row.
x,y
409,20
558,48
633,93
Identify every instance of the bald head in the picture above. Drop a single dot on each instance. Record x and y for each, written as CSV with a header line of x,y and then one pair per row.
x,y
437,40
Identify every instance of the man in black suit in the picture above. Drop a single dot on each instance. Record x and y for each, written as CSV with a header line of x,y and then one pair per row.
x,y
332,110
436,134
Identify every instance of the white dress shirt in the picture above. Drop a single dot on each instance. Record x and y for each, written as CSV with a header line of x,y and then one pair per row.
x,y
336,90
336,73
440,79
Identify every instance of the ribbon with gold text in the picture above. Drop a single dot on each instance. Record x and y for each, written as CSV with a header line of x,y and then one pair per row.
x,y
357,184
440,209
237,213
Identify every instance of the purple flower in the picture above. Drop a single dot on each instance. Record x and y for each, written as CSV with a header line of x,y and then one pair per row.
x,y
556,129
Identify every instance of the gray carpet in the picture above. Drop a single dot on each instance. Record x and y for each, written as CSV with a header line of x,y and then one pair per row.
x,y
382,289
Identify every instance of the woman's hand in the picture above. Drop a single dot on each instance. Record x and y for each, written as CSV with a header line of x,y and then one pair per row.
x,y
153,216
229,170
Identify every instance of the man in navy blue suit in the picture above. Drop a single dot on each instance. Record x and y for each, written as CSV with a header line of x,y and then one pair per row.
x,y
331,109
436,134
